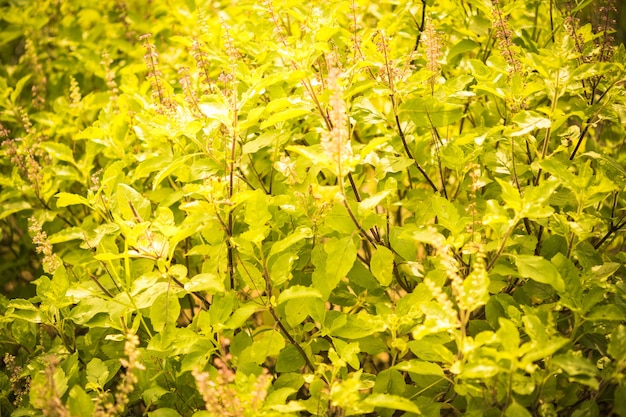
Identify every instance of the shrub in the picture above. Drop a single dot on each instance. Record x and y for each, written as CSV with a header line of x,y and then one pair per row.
x,y
347,208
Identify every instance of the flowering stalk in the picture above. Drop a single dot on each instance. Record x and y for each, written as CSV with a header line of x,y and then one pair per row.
x,y
75,96
40,82
202,63
51,402
120,402
109,78
151,58
190,95
504,36
336,141
433,52
20,386
336,144
50,261
221,396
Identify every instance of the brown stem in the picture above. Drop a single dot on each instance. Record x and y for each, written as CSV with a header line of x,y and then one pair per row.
x,y
283,329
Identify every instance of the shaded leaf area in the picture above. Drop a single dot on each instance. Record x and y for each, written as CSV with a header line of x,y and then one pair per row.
x,y
292,208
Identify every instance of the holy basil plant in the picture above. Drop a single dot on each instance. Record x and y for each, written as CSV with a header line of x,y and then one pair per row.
x,y
312,208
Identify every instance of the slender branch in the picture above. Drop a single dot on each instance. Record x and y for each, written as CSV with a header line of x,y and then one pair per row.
x,y
614,228
552,20
502,245
420,27
580,141
231,186
437,140
517,184
99,284
374,230
293,341
546,139
283,329
205,302
410,154
357,224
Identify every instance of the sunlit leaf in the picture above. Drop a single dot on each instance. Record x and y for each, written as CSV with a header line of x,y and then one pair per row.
x,y
393,402
427,112
381,265
540,270
297,292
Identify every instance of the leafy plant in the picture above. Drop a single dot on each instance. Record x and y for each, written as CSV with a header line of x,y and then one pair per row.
x,y
351,208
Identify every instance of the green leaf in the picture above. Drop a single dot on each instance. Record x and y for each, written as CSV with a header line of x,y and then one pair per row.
x,y
577,367
428,111
356,326
164,412
98,372
617,345
540,270
241,315
297,310
481,368
23,309
170,169
132,205
257,213
390,381
301,232
80,403
534,199
210,283
509,337
149,166
285,115
371,202
68,199
314,154
11,208
511,196
289,360
298,292
394,402
381,265
527,121
619,400
560,171
447,214
340,255
608,312
265,139
516,410
59,151
462,47
165,311
19,86
216,111
281,267
418,367
266,344
476,286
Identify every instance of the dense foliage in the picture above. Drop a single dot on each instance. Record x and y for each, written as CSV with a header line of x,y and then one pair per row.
x,y
312,208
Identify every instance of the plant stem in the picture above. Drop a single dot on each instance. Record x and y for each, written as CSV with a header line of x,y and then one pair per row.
x,y
501,248
420,27
408,151
283,329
